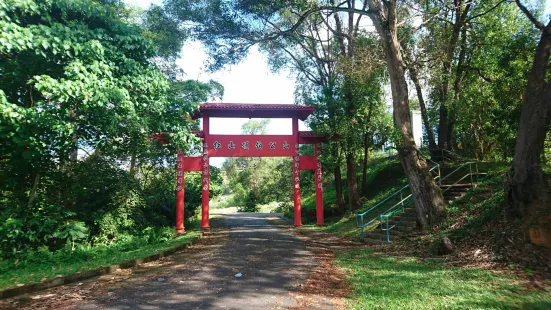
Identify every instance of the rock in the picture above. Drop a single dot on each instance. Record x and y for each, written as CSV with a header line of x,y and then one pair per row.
x,y
446,246
477,253
24,298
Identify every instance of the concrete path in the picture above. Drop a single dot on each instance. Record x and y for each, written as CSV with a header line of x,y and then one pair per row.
x,y
274,264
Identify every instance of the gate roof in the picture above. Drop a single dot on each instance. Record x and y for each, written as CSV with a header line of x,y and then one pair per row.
x,y
253,110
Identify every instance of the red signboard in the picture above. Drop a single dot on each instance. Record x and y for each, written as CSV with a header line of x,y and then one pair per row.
x,y
251,145
308,163
193,163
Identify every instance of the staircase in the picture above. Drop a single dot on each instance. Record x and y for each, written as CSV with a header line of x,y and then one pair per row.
x,y
404,223
400,218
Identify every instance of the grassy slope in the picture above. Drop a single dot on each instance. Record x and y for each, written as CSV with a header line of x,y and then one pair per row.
x,y
384,176
49,265
382,282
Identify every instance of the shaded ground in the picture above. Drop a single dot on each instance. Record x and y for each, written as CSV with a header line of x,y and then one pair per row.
x,y
279,270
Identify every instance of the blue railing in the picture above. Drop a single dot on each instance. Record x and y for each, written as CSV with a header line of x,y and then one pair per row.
x,y
399,207
361,221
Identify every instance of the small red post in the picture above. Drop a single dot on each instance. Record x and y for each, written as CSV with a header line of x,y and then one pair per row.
x,y
296,176
319,189
180,191
205,193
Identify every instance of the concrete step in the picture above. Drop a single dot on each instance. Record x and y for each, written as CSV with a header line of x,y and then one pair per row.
x,y
374,241
403,229
459,185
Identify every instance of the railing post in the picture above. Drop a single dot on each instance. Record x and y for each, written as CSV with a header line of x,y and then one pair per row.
x,y
362,237
439,176
387,231
471,174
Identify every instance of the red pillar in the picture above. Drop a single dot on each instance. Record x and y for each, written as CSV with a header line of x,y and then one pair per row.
x,y
296,176
319,189
205,193
180,193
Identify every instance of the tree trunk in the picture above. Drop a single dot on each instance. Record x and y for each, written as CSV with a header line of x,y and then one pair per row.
x,y
457,87
415,78
526,187
364,165
34,190
338,188
352,181
429,202
338,178
73,156
132,164
446,124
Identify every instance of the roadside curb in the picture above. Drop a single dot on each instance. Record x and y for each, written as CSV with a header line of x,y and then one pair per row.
x,y
103,270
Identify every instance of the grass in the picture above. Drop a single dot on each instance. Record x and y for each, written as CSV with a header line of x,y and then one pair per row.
x,y
44,264
381,282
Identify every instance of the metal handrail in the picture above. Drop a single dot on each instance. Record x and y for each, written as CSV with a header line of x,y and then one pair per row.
x,y
453,154
387,214
458,168
360,216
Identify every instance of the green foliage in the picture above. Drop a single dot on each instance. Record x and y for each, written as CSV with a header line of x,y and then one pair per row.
x,y
258,181
42,263
83,75
251,204
72,232
22,229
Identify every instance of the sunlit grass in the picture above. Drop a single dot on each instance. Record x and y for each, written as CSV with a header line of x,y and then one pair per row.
x,y
381,282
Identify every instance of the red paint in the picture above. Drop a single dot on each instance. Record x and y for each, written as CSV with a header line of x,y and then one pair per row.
x,y
180,191
296,176
193,163
319,189
308,162
205,178
251,145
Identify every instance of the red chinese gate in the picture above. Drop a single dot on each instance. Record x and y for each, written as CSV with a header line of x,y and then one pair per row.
x,y
250,146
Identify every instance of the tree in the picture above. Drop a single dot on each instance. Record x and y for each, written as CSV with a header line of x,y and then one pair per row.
x,y
243,24
429,203
526,186
83,75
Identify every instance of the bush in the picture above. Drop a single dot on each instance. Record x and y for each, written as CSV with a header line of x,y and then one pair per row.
x,y
250,203
26,228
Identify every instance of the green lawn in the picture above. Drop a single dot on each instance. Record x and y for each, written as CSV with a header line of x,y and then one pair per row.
x,y
44,264
381,282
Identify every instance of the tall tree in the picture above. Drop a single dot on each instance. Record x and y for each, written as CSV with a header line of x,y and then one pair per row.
x,y
234,27
526,186
429,203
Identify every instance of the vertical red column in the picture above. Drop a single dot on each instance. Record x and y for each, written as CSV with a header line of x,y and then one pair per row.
x,y
296,176
205,194
319,188
180,190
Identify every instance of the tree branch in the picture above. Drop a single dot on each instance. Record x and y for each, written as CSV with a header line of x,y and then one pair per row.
x,y
531,17
491,9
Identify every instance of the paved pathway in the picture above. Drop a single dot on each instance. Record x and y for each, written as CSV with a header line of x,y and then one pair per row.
x,y
273,261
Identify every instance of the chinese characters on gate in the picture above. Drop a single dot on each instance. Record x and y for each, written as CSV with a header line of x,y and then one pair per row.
x,y
245,145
